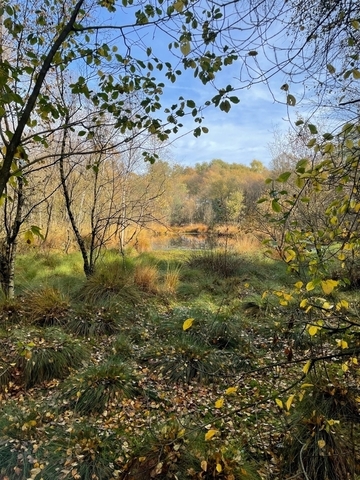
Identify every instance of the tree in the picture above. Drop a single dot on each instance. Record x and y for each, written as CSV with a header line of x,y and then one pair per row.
x,y
114,61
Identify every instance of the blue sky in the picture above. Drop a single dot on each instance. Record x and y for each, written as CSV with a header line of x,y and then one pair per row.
x,y
240,136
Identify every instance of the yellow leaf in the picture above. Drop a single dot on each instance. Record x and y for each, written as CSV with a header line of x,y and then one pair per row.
x,y
344,367
307,367
298,285
219,403
310,286
327,306
284,303
332,422
305,385
313,330
329,285
354,360
246,285
303,303
289,255
289,402
231,390
209,435
279,403
342,344
341,256
204,465
321,443
78,394
188,323
218,467
344,304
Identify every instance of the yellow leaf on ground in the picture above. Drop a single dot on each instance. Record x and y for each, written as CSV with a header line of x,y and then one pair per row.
x,y
218,467
321,443
289,402
342,344
204,465
231,390
219,403
209,435
188,323
307,367
279,403
313,330
344,367
298,285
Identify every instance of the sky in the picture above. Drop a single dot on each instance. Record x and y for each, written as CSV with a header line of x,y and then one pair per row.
x,y
240,136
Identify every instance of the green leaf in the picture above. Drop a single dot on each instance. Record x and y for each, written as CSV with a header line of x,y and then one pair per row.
x,y
331,68
291,100
253,53
225,106
283,177
185,47
313,129
276,206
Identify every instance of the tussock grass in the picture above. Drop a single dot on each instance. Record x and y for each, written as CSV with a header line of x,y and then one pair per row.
x,y
46,307
147,278
219,262
84,453
90,391
172,278
34,356
114,278
87,321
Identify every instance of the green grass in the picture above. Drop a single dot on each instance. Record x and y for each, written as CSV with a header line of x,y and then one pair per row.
x,y
99,379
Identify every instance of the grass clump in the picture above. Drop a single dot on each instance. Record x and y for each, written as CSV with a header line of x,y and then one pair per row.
x,y
89,321
185,360
324,433
34,355
90,391
85,453
219,262
146,278
47,306
111,279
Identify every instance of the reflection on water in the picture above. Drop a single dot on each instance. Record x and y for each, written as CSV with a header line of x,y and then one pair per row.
x,y
189,241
